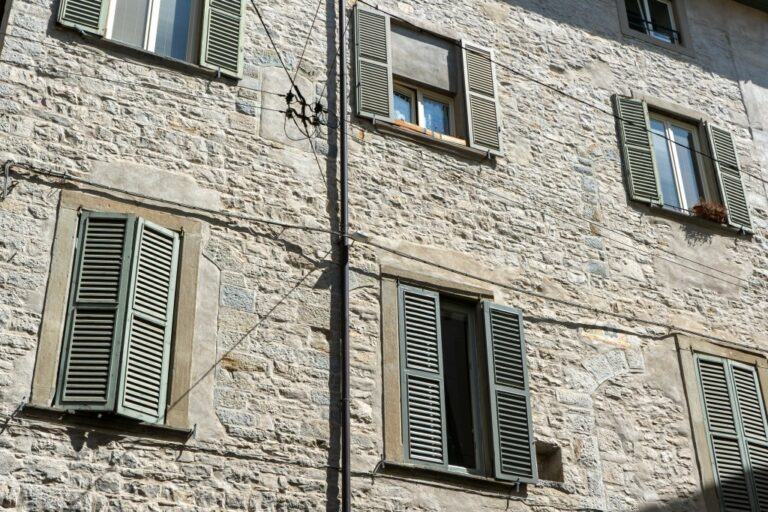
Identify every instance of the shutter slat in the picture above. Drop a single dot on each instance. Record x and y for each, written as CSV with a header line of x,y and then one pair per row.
x,y
146,355
481,100
514,455
86,15
222,42
373,64
422,376
728,171
93,334
639,162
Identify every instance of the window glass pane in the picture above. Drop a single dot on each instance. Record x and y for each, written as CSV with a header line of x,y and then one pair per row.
x,y
688,169
664,164
455,327
661,16
130,23
173,28
403,107
635,15
437,116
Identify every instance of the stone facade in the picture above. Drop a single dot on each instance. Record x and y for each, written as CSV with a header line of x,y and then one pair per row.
x,y
605,285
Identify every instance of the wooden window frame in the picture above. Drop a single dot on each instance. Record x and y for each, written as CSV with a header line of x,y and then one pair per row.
x,y
688,348
45,376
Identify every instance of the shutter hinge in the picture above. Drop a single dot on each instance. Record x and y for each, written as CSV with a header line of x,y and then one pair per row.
x,y
517,486
181,232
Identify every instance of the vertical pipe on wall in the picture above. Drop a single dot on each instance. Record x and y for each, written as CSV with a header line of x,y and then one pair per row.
x,y
346,483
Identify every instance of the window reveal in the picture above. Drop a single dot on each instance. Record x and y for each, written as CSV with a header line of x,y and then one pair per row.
x,y
655,18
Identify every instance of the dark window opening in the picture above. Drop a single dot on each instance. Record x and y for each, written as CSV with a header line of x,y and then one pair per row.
x,y
458,341
549,458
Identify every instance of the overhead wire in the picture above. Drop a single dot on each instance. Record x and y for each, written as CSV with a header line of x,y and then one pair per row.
x,y
563,93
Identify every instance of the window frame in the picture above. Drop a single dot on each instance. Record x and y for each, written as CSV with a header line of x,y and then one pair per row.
x,y
704,179
417,95
689,348
412,94
679,11
46,374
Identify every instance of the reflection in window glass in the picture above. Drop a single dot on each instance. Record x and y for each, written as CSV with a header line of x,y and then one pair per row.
x,y
661,16
664,164
173,28
689,172
437,116
130,23
403,107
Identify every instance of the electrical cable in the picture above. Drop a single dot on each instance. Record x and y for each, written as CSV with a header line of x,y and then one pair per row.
x,y
306,42
557,90
274,46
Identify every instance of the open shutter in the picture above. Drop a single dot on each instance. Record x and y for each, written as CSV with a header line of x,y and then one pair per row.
x,y
422,377
729,177
91,347
637,149
513,443
149,324
222,43
373,80
87,15
483,117
724,434
753,422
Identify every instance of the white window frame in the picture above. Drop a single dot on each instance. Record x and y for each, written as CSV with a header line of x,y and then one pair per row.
x,y
150,31
417,96
658,35
672,147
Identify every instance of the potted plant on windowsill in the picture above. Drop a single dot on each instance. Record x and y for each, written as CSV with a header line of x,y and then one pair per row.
x,y
711,211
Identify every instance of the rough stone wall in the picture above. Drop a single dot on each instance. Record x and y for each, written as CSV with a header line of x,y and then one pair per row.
x,y
612,401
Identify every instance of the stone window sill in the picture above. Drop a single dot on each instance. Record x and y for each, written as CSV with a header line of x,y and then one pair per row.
x,y
104,423
677,48
689,218
443,143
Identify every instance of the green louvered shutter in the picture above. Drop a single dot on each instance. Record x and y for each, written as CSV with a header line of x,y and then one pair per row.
x,y
483,123
724,433
513,443
373,84
222,43
87,15
637,150
94,327
753,422
422,377
149,324
729,177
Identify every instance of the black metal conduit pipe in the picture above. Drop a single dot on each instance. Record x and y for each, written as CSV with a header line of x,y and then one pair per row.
x,y
346,479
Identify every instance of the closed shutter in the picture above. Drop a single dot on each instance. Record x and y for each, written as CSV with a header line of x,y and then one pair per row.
x,y
422,377
373,83
637,150
222,43
729,177
753,421
94,327
513,442
86,15
146,349
483,123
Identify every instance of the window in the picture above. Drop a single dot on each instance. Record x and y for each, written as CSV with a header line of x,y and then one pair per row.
x,y
423,83
653,17
464,387
199,31
726,390
681,163
118,326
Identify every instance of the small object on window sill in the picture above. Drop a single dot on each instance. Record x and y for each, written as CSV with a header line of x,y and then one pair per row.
x,y
429,133
710,211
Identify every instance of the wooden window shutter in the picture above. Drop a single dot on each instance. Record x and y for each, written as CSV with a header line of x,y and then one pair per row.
x,y
513,443
483,120
149,324
422,377
725,433
87,15
373,84
726,163
94,326
637,150
222,39
753,422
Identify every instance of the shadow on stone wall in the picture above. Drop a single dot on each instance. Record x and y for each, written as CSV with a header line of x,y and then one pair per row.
x,y
732,487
